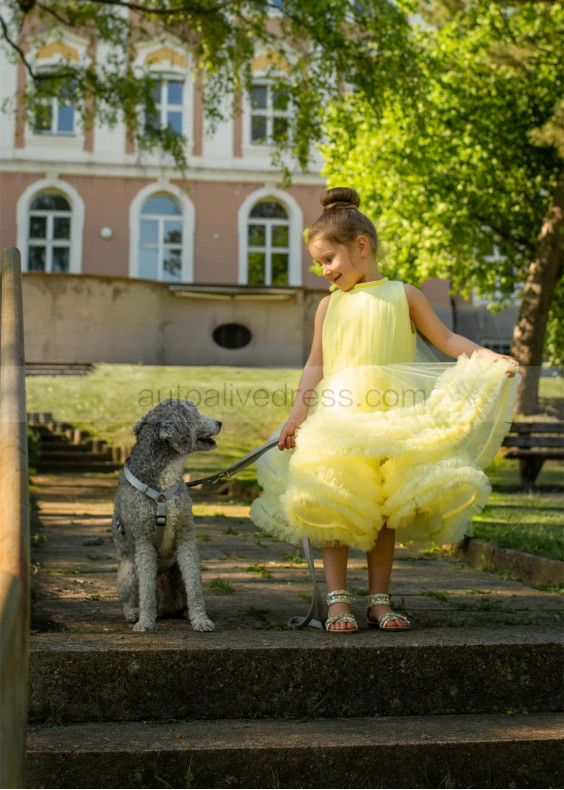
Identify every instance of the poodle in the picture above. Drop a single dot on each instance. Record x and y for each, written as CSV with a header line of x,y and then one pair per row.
x,y
152,526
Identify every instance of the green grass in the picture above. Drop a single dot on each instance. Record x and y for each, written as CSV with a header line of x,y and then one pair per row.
x,y
532,523
108,402
220,586
251,402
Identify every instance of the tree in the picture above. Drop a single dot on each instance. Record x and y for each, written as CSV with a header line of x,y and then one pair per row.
x,y
466,179
325,42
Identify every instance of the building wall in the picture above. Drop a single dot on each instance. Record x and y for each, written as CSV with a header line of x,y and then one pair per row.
x,y
113,319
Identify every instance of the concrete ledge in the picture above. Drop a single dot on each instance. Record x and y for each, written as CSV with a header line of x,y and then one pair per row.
x,y
438,751
134,677
523,566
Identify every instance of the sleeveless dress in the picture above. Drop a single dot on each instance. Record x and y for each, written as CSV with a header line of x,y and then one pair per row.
x,y
388,440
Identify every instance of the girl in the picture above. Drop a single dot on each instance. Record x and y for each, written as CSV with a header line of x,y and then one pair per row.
x,y
378,441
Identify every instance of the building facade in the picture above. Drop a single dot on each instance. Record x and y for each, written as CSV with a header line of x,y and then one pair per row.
x,y
112,237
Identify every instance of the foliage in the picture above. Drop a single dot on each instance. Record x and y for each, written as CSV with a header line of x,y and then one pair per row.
x,y
321,44
460,178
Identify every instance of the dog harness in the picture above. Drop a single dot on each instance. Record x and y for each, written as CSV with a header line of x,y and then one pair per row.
x,y
160,498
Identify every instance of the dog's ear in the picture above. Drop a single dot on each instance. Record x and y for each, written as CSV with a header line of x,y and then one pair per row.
x,y
139,427
171,432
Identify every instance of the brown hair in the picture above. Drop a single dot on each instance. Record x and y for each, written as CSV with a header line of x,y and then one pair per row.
x,y
341,221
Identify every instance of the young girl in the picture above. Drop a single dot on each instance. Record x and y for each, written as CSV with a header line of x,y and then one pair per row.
x,y
377,442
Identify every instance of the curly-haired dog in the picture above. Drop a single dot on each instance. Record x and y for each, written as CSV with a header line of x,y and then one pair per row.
x,y
152,526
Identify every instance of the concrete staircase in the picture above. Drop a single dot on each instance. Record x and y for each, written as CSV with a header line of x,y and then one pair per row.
x,y
470,697
64,448
443,708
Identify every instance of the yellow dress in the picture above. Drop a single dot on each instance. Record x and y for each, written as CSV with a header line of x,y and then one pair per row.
x,y
389,440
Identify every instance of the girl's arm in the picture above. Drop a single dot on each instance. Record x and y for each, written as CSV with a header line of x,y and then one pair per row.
x,y
310,378
432,327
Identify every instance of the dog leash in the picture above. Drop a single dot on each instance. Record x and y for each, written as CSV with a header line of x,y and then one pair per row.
x,y
243,462
316,615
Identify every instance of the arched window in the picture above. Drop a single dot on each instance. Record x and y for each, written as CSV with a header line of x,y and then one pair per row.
x,y
160,239
268,244
49,233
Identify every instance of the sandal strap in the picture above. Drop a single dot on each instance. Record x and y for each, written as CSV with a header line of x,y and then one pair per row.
x,y
377,599
390,617
338,596
347,617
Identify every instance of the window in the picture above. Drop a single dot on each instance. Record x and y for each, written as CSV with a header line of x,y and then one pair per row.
x,y
168,98
269,113
499,345
49,236
160,239
232,336
55,114
268,244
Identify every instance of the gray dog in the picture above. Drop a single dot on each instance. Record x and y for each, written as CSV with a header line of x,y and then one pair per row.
x,y
152,526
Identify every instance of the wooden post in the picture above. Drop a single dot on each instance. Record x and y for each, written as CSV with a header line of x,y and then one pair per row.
x,y
14,528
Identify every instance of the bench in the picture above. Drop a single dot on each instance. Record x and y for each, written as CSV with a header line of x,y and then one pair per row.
x,y
533,443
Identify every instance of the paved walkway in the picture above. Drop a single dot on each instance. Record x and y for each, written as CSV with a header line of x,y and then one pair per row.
x,y
251,581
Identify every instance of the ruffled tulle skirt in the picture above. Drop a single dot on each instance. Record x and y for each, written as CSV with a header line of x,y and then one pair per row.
x,y
398,445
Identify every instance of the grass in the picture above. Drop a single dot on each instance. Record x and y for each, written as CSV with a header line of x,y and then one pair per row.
x,y
251,402
220,586
108,402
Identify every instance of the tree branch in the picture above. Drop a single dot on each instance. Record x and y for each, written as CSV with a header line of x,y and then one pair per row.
x,y
197,10
15,47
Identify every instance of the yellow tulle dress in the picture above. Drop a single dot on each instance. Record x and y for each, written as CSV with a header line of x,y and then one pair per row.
x,y
388,439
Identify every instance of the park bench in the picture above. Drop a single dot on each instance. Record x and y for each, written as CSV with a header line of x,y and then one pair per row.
x,y
533,443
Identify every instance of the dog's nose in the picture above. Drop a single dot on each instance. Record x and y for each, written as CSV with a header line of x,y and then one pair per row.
x,y
219,424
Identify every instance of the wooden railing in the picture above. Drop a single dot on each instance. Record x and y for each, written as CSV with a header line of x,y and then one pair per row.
x,y
14,528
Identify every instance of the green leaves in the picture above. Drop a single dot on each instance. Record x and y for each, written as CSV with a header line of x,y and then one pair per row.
x,y
456,177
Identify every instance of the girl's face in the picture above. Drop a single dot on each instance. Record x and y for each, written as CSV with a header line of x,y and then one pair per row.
x,y
342,265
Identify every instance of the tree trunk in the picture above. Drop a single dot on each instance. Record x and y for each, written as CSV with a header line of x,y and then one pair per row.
x,y
530,329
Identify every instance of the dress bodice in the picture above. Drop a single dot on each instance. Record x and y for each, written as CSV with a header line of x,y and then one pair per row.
x,y
368,325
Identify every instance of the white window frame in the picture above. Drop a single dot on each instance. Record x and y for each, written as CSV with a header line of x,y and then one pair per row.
x,y
163,107
295,222
49,241
53,101
52,184
269,113
269,223
188,217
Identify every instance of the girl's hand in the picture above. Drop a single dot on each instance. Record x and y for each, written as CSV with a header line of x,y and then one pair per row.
x,y
485,352
287,438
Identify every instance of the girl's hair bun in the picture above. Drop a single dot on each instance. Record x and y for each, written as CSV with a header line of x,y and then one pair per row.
x,y
340,198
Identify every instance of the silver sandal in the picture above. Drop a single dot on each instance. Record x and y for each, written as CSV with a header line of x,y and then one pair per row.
x,y
382,599
340,596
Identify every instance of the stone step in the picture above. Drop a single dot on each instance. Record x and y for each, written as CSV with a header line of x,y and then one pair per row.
x,y
71,455
57,368
70,464
434,751
274,674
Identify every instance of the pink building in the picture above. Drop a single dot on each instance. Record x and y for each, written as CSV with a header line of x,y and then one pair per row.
x,y
125,261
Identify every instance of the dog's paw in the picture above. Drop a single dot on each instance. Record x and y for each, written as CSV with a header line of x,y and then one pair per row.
x,y
132,615
203,625
144,626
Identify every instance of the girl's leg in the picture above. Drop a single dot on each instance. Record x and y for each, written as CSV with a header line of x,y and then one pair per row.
x,y
379,561
335,567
